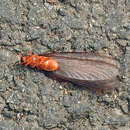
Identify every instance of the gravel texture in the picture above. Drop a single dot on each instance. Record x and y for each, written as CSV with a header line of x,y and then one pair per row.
x,y
30,100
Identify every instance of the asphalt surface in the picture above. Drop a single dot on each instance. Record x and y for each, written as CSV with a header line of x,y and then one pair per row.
x,y
29,100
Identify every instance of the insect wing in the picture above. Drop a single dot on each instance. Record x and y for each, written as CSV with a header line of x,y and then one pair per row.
x,y
86,69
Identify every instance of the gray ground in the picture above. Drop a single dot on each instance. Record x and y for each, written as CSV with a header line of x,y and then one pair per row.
x,y
29,100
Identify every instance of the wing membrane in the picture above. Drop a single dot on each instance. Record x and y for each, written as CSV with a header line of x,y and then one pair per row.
x,y
86,69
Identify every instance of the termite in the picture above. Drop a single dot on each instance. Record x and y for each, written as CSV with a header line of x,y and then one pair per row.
x,y
91,70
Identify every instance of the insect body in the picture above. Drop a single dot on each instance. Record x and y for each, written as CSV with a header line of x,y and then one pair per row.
x,y
85,69
40,62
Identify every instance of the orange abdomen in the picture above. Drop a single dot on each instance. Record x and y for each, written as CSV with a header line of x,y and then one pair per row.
x,y
40,62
